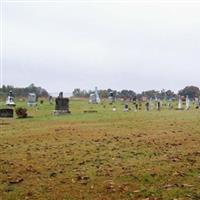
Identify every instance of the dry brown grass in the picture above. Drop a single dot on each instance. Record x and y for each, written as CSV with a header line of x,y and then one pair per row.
x,y
101,156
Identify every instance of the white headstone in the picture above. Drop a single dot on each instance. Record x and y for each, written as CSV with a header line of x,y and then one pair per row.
x,y
98,100
197,102
179,103
187,103
10,99
32,99
94,97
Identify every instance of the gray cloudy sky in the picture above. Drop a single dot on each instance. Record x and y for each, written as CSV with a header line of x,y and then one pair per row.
x,y
109,44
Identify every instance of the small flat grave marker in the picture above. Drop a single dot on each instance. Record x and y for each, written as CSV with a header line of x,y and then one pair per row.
x,y
6,113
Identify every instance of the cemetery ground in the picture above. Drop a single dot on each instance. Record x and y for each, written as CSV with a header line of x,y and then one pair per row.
x,y
100,156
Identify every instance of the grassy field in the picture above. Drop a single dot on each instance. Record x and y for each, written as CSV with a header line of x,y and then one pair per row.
x,y
100,156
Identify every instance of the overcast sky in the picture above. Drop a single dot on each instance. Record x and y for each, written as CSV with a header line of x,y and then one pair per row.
x,y
109,44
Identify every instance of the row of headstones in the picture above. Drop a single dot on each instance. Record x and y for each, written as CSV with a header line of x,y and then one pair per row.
x,y
62,104
150,105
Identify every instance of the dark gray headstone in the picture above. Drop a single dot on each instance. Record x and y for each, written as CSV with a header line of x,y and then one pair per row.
x,y
6,113
62,104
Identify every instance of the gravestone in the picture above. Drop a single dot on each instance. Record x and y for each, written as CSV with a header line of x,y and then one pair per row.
x,y
136,106
187,103
6,113
197,103
126,108
62,105
94,97
32,99
179,103
147,106
158,105
10,99
98,100
111,97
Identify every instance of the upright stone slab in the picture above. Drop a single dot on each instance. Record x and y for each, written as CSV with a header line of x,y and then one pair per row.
x,y
111,97
126,109
147,106
187,103
94,97
32,99
62,105
98,100
179,103
6,113
197,103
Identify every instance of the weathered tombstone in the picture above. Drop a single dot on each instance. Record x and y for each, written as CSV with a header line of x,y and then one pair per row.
x,y
6,113
111,97
135,103
187,103
147,106
10,99
94,97
179,103
98,100
136,106
159,105
197,103
32,99
126,108
62,105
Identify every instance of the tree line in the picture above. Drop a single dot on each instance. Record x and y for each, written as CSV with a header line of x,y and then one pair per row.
x,y
23,92
190,91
